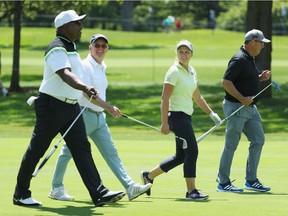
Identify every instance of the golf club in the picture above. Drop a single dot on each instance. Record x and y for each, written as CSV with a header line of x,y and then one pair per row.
x,y
184,146
62,137
225,119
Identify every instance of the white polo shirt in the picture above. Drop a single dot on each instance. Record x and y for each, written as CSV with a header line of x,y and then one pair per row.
x,y
58,58
94,74
185,83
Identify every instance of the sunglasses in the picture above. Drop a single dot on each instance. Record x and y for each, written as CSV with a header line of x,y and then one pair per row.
x,y
103,46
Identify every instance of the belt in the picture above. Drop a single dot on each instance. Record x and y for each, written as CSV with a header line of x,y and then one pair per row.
x,y
67,100
251,105
93,111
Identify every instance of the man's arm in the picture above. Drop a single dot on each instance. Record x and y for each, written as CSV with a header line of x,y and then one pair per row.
x,y
71,79
231,89
112,110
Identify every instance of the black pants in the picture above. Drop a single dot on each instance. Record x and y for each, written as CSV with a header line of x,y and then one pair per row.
x,y
181,124
54,116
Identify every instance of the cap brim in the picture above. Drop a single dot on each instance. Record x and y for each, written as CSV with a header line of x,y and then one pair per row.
x,y
99,36
266,40
184,44
80,17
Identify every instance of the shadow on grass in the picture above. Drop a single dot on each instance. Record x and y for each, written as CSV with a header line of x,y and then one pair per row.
x,y
143,103
113,204
190,200
255,193
179,199
71,210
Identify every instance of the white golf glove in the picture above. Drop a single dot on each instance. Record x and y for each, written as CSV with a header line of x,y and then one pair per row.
x,y
215,118
31,100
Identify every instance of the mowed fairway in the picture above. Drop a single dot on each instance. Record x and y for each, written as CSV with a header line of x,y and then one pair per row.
x,y
142,150
137,63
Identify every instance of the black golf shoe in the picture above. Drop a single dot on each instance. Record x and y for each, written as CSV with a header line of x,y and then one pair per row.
x,y
145,179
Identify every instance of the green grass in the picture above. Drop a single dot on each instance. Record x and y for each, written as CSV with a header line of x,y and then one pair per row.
x,y
137,63
143,103
141,58
168,190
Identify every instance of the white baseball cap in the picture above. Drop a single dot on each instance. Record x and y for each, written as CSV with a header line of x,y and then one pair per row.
x,y
97,36
66,17
256,34
184,43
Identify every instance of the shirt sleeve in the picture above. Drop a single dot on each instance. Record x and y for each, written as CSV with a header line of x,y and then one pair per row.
x,y
58,60
171,77
233,70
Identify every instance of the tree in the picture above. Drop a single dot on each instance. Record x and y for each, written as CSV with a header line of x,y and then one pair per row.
x,y
127,14
17,9
14,83
259,16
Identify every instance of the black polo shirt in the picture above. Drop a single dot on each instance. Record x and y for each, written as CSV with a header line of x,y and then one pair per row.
x,y
243,73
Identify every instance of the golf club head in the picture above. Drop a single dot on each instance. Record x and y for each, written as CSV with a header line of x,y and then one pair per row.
x,y
184,142
276,85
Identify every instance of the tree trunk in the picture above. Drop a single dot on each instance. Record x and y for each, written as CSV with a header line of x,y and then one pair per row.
x,y
127,13
14,84
259,16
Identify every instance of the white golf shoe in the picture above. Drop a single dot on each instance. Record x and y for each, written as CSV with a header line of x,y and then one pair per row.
x,y
60,194
135,190
26,202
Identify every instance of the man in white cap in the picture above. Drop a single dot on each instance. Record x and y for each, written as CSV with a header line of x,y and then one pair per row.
x,y
241,83
94,74
56,108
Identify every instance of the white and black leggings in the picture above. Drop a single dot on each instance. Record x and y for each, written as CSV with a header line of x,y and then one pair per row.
x,y
181,124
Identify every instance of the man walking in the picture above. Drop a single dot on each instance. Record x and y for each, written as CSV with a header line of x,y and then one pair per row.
x,y
241,83
56,108
94,74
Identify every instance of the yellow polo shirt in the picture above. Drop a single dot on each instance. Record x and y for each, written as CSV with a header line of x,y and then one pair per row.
x,y
185,83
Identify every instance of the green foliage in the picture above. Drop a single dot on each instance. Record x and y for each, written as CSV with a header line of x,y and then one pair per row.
x,y
147,15
280,22
235,16
141,18
108,14
33,8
